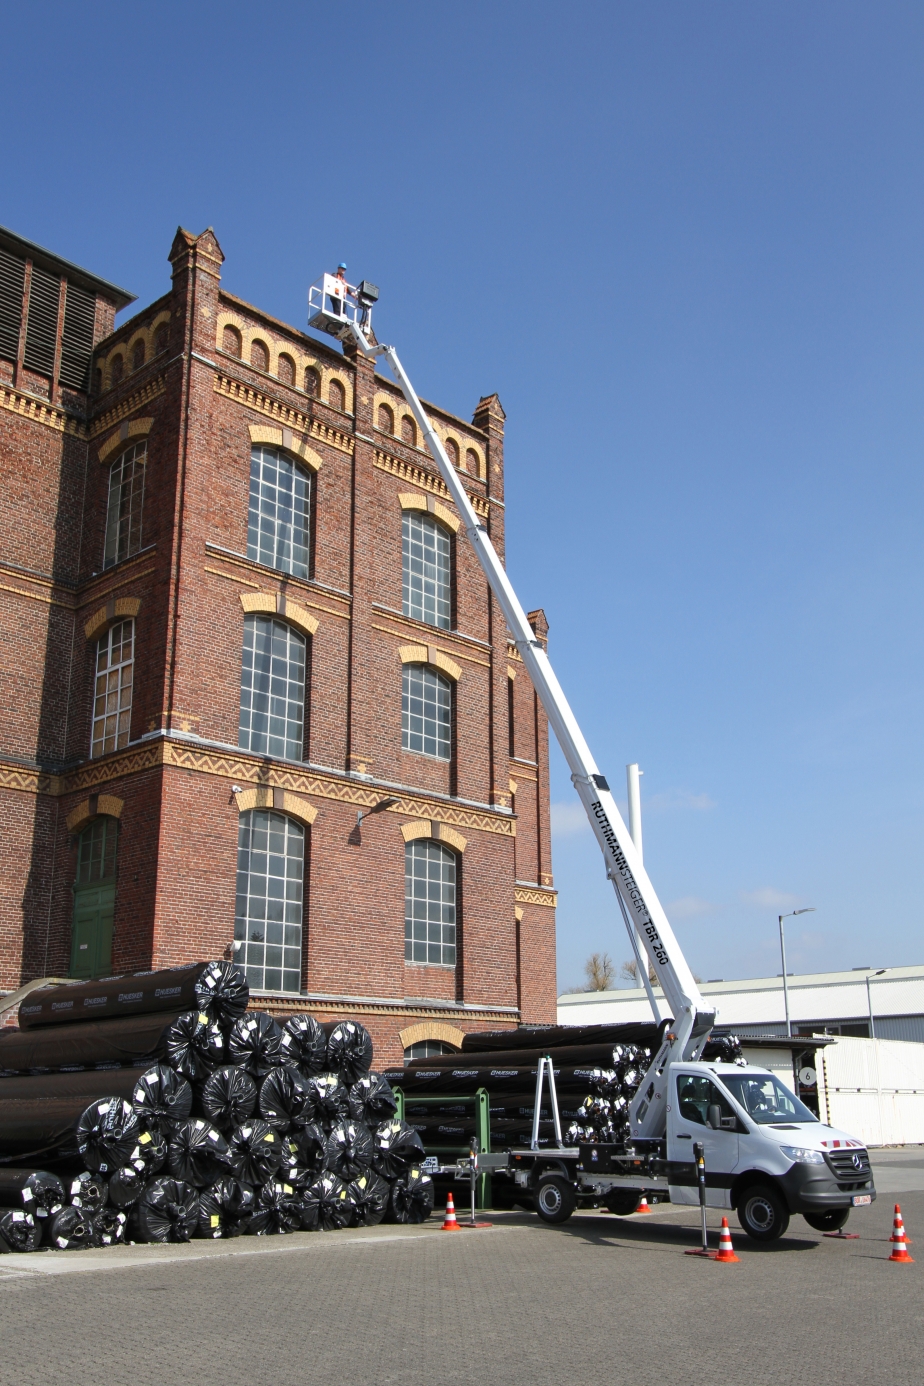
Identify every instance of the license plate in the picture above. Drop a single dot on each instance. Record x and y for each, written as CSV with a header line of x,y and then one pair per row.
x,y
859,1199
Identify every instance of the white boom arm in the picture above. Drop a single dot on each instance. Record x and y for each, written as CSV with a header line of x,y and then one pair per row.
x,y
640,906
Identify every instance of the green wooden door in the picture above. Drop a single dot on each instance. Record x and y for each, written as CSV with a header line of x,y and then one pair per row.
x,y
94,899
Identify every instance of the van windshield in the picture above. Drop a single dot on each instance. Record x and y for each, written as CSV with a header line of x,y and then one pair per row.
x,y
765,1099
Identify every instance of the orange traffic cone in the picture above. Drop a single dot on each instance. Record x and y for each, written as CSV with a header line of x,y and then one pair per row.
x,y
899,1227
449,1222
643,1206
726,1251
899,1247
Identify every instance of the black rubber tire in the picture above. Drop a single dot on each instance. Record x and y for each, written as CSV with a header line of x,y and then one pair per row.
x,y
762,1213
831,1221
555,1198
622,1202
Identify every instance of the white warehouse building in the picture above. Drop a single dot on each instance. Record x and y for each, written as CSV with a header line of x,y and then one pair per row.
x,y
878,1003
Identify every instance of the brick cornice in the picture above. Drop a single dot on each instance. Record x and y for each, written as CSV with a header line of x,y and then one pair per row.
x,y
283,414
41,412
428,481
535,895
152,390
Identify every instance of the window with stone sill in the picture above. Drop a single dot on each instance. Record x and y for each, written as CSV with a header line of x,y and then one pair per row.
x,y
272,720
126,504
429,903
279,513
268,911
426,569
112,700
426,712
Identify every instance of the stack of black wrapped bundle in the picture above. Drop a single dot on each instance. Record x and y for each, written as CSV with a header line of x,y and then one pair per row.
x,y
239,1125
597,1068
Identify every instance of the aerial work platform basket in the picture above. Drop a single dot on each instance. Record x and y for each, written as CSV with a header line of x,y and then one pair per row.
x,y
334,306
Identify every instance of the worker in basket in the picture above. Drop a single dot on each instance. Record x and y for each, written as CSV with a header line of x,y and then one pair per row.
x,y
337,290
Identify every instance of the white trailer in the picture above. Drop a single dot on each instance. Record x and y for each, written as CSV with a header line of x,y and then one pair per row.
x,y
766,1154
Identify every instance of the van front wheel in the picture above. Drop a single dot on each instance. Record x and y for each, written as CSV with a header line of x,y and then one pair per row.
x,y
555,1200
762,1213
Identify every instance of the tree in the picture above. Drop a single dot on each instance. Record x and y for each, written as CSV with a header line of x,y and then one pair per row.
x,y
600,972
629,972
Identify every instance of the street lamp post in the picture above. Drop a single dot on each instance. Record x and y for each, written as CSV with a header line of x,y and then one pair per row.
x,y
809,909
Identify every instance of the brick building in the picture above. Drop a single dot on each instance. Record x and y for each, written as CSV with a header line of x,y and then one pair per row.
x,y
238,614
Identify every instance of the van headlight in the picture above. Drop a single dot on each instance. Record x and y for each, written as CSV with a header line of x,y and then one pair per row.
x,y
801,1156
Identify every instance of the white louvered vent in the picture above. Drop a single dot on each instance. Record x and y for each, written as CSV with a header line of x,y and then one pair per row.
x,y
12,277
77,337
42,327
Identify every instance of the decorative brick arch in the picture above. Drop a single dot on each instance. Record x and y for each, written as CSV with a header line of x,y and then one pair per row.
x,y
289,442
131,428
97,806
276,348
126,347
277,604
431,1030
413,500
429,654
116,609
439,832
279,800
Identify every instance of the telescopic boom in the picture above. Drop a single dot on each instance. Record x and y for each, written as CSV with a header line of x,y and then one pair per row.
x,y
640,906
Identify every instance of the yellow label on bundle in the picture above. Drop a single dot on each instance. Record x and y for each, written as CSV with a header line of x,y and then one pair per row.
x,y
269,1136
144,1138
287,1188
215,1220
203,1018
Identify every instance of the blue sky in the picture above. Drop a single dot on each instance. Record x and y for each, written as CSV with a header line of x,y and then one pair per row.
x,y
683,242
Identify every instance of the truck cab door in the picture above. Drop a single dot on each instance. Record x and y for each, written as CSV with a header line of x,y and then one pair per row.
x,y
694,1106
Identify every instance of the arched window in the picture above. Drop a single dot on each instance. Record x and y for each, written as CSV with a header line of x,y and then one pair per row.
x,y
115,372
280,502
286,370
426,1049
426,573
336,396
138,355
429,903
471,461
386,419
452,451
94,899
162,339
272,688
312,382
426,711
268,913
259,356
126,502
231,340
409,430
112,703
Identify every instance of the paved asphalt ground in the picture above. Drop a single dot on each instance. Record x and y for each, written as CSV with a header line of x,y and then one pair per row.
x,y
601,1300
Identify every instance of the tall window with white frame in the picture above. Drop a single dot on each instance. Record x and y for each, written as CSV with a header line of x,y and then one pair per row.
x,y
280,511
426,711
268,912
112,702
426,583
429,903
126,503
272,688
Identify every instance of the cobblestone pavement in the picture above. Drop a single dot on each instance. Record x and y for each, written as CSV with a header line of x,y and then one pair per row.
x,y
599,1300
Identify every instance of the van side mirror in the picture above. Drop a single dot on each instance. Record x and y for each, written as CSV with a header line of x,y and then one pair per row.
x,y
714,1116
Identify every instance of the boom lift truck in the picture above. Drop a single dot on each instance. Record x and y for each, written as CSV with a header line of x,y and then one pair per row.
x,y
766,1154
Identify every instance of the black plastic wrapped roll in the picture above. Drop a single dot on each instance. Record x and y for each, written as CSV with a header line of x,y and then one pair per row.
x,y
304,1147
372,1100
370,1194
167,1211
304,1044
254,1043
133,1041
254,1152
222,990
330,1098
106,1134
34,1190
88,1190
109,1226
195,1045
285,1099
277,1209
395,1147
327,1205
197,1153
149,1155
349,1051
348,1150
546,1037
411,1197
126,1185
229,1097
19,1230
225,1208
71,1229
142,993
162,1098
